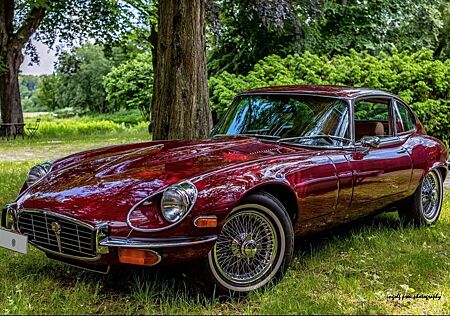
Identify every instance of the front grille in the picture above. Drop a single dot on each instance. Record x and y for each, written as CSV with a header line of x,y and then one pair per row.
x,y
74,239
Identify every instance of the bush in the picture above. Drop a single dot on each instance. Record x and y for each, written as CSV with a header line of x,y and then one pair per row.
x,y
75,127
129,86
77,82
435,116
416,77
52,126
128,118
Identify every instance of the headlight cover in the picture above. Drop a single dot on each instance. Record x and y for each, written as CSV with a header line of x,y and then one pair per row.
x,y
38,172
178,200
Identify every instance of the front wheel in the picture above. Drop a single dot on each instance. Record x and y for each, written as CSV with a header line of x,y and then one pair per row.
x,y
424,207
255,247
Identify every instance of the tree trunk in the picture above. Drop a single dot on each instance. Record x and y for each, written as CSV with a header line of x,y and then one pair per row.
x,y
11,108
11,44
180,91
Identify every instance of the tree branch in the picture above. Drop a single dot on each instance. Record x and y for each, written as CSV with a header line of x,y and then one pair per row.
x,y
30,25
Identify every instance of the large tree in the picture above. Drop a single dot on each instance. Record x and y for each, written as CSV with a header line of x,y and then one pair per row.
x,y
247,31
180,107
69,21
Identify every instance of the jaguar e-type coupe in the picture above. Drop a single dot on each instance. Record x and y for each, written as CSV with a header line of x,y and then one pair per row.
x,y
283,162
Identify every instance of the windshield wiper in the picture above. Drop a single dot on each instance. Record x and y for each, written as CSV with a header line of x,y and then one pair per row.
x,y
330,137
260,136
249,134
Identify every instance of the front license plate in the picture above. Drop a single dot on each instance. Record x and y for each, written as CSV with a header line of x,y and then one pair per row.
x,y
13,241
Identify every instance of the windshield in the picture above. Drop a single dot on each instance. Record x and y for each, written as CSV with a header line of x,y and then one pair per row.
x,y
309,120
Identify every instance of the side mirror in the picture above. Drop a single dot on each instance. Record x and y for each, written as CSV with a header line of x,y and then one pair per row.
x,y
371,141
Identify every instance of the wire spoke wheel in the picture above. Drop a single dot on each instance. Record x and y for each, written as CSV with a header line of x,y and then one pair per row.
x,y
247,247
431,197
254,248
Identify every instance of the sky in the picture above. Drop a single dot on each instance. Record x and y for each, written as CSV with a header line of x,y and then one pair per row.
x,y
47,59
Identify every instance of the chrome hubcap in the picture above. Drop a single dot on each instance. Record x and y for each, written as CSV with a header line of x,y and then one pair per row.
x,y
247,247
430,196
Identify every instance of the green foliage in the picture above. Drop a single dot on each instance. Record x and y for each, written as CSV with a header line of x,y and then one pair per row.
x,y
81,76
78,81
246,33
435,114
28,88
374,26
129,86
128,118
46,92
86,81
416,77
69,127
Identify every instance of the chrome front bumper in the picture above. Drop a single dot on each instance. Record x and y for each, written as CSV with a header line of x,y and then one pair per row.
x,y
153,243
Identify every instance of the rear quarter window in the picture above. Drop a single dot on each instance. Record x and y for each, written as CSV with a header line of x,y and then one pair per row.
x,y
405,119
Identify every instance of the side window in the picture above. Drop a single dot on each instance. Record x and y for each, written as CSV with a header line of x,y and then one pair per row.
x,y
404,119
372,118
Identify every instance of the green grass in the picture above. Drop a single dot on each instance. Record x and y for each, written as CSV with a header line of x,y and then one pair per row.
x,y
350,270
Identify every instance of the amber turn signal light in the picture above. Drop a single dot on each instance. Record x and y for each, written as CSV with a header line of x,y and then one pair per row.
x,y
139,257
206,221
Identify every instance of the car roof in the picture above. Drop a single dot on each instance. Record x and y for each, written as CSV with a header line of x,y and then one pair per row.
x,y
329,91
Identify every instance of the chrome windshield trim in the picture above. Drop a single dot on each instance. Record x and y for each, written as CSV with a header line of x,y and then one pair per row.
x,y
124,242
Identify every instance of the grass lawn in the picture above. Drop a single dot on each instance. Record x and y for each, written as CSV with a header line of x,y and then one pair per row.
x,y
353,269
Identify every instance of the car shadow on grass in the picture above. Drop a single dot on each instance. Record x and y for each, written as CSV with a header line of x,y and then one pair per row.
x,y
385,221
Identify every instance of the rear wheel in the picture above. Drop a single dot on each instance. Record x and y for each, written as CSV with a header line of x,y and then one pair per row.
x,y
254,248
424,207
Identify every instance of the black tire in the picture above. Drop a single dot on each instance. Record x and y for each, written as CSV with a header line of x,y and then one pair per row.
x,y
424,206
254,249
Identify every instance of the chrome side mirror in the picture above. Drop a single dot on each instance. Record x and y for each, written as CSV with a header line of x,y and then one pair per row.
x,y
371,141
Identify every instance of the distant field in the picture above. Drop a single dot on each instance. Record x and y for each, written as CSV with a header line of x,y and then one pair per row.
x,y
351,270
34,114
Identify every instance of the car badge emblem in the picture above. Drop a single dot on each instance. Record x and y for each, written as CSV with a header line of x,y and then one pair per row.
x,y
56,227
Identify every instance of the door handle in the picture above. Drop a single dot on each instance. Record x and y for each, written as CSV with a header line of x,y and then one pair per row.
x,y
402,150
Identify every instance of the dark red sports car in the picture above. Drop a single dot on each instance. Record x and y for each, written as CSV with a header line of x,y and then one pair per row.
x,y
283,162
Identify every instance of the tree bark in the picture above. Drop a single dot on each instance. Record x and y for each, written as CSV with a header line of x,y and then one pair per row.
x,y
180,91
11,57
11,108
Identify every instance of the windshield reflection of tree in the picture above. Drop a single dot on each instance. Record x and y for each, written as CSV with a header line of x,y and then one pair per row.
x,y
278,116
333,121
285,116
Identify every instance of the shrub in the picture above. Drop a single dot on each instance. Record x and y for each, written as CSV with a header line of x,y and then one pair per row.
x,y
129,86
435,116
76,127
416,77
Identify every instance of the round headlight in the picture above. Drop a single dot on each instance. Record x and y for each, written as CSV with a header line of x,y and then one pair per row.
x,y
8,218
38,172
178,200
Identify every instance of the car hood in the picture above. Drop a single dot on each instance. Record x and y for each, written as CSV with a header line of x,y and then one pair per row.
x,y
103,184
